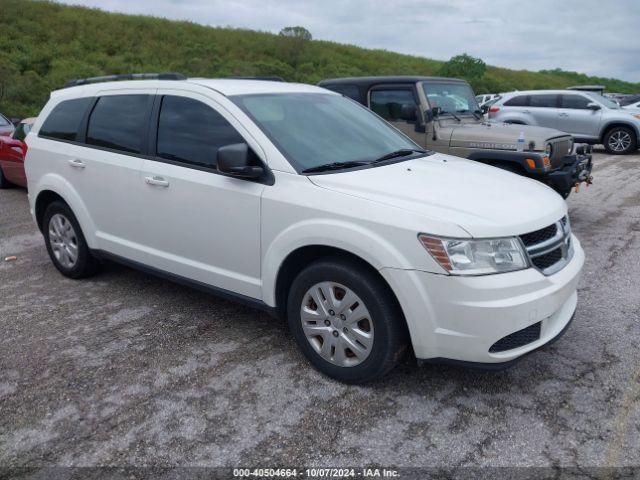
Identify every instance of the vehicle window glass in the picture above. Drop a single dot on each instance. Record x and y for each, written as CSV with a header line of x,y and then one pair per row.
x,y
192,132
544,101
451,97
574,101
19,133
603,100
350,91
519,101
388,103
312,129
4,122
65,118
118,122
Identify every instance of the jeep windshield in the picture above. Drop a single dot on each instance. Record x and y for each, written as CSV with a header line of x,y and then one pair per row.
x,y
452,98
325,132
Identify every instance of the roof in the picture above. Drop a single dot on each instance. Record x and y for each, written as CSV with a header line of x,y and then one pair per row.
x,y
552,92
225,86
387,79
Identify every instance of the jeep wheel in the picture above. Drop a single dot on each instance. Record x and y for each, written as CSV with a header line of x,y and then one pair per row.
x,y
620,141
65,242
346,321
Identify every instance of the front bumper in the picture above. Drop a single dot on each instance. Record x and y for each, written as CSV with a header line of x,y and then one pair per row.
x,y
576,169
459,318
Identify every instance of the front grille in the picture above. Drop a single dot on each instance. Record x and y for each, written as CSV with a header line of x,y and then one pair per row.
x,y
517,339
548,259
539,236
549,249
560,149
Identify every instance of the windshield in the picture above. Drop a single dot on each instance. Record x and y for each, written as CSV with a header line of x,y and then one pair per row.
x,y
451,97
313,129
603,100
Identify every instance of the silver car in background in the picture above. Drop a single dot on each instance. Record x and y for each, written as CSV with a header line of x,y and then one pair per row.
x,y
588,116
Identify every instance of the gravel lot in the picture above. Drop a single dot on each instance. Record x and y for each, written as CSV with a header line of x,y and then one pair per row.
x,y
126,369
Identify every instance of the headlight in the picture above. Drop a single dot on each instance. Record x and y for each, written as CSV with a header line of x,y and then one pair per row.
x,y
548,150
476,257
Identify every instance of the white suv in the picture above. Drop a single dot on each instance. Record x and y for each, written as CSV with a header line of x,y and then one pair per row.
x,y
303,203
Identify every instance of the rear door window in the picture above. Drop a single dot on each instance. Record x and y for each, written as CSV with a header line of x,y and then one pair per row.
x,y
119,122
64,120
544,101
519,101
191,132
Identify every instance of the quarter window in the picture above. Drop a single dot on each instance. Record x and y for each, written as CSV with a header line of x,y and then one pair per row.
x,y
192,132
388,103
119,122
519,101
64,120
574,101
543,101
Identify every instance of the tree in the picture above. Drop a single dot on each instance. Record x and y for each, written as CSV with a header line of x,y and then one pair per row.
x,y
293,44
464,66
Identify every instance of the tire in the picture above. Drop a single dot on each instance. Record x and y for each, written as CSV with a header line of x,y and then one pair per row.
x,y
620,141
4,183
374,311
61,234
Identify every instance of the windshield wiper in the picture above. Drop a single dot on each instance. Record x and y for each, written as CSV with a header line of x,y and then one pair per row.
x,y
451,113
334,166
403,152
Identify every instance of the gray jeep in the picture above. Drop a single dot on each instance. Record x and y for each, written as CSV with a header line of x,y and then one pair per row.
x,y
442,114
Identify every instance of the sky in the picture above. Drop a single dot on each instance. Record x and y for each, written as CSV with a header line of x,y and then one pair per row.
x,y
596,37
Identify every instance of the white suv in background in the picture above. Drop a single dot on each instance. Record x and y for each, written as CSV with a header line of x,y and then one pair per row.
x,y
303,203
588,116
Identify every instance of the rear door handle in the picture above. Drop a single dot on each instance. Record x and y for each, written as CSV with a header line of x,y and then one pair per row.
x,y
77,163
526,111
156,181
562,114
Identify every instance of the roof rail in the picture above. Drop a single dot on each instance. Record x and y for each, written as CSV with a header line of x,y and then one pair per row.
x,y
271,79
125,76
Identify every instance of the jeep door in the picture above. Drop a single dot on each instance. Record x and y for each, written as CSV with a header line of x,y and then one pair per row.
x,y
199,224
576,118
399,105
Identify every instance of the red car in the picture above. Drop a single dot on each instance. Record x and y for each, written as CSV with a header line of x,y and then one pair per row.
x,y
12,153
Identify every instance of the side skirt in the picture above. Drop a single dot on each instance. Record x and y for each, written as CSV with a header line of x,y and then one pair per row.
x,y
203,287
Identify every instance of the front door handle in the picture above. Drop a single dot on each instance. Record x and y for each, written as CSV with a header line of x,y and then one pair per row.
x,y
77,163
157,181
562,114
526,111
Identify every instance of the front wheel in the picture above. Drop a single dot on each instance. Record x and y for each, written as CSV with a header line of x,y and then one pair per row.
x,y
620,141
346,320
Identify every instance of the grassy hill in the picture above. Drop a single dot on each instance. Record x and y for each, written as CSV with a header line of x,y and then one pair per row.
x,y
44,44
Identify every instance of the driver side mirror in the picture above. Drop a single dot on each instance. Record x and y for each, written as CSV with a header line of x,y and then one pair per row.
x,y
233,160
593,106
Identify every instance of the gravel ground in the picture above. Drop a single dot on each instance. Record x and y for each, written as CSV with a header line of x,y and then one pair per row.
x,y
125,369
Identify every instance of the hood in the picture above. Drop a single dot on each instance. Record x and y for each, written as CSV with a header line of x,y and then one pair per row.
x,y
501,136
485,201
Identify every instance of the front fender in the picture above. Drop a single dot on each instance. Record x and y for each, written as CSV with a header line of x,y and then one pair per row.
x,y
358,240
59,185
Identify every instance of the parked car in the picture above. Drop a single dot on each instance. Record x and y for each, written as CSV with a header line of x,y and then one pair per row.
x,y
6,127
632,106
482,99
442,114
302,203
12,153
588,116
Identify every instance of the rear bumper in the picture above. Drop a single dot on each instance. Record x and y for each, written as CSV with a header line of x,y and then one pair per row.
x,y
576,169
460,318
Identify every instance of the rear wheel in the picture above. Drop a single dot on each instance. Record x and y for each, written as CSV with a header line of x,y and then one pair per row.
x,y
65,242
620,141
346,320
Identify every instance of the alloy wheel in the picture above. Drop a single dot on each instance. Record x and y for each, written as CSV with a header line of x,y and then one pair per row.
x,y
620,141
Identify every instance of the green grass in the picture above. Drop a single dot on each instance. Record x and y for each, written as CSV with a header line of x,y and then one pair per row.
x,y
44,44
